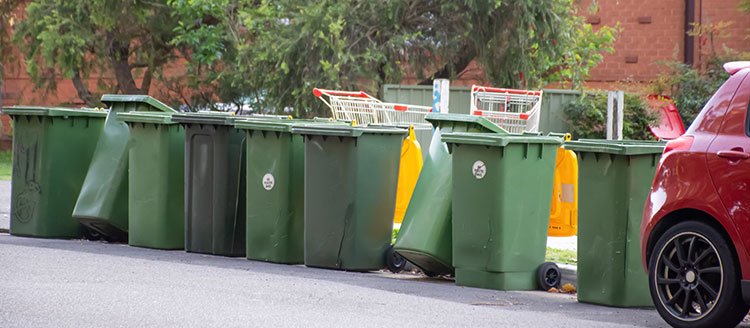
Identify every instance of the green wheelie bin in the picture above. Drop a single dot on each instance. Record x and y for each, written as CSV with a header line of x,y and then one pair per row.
x,y
350,194
102,204
614,179
425,235
214,184
502,193
156,181
275,192
52,148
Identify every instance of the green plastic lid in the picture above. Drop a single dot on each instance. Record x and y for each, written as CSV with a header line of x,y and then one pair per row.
x,y
110,99
619,147
146,117
436,118
343,130
265,125
496,139
53,111
204,118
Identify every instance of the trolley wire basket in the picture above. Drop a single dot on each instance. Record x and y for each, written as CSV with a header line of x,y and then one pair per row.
x,y
514,110
365,109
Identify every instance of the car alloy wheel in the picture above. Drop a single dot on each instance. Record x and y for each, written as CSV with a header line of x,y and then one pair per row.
x,y
689,275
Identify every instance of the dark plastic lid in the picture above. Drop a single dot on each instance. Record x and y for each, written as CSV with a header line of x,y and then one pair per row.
x,y
109,99
343,130
53,111
146,117
437,118
619,147
496,139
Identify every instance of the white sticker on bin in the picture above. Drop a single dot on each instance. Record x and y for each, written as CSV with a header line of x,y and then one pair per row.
x,y
479,169
268,181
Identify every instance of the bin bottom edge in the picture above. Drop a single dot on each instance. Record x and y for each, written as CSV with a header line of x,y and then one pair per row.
x,y
517,280
426,261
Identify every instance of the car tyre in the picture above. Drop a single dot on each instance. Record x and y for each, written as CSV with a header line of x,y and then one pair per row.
x,y
694,278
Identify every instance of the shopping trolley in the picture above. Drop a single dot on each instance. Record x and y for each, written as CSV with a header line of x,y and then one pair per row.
x,y
365,109
513,110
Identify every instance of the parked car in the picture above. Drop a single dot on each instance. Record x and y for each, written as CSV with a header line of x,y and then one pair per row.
x,y
695,233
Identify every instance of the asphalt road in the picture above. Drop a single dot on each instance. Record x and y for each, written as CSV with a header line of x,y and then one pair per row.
x,y
78,283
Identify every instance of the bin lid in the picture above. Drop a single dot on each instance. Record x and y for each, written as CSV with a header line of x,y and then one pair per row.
x,y
261,124
53,111
204,118
436,118
109,99
619,147
146,117
497,140
343,130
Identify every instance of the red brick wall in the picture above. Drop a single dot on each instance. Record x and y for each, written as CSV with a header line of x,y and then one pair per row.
x,y
663,38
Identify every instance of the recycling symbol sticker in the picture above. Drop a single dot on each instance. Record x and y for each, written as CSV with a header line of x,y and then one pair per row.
x,y
479,169
268,181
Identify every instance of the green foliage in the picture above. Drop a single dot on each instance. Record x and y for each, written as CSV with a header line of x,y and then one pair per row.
x,y
587,116
276,52
8,17
689,87
78,38
744,6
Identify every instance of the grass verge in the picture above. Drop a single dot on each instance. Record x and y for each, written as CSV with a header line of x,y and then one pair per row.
x,y
561,256
6,163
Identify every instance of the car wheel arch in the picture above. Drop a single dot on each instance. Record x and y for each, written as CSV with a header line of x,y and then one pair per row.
x,y
686,214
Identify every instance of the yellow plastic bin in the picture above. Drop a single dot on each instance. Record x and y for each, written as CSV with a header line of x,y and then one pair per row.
x,y
411,165
563,219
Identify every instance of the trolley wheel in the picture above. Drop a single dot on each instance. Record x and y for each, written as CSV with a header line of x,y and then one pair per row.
x,y
90,234
548,275
394,261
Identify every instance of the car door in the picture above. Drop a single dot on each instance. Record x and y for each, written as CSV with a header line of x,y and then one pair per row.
x,y
728,159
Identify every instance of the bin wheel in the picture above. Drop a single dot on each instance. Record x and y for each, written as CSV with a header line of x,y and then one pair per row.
x,y
91,234
394,261
548,275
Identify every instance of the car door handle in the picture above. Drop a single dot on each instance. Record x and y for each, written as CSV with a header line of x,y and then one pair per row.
x,y
733,154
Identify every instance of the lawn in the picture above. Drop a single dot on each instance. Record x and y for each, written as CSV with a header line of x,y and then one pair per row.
x,y
561,256
6,162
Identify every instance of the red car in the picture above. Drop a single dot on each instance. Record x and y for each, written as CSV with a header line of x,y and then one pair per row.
x,y
695,234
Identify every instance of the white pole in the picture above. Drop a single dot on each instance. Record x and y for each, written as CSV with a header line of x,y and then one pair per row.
x,y
620,113
610,116
440,95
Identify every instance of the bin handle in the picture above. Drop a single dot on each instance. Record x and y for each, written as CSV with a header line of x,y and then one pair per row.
x,y
237,194
556,196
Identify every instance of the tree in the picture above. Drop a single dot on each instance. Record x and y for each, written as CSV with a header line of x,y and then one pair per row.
x,y
77,38
285,48
8,10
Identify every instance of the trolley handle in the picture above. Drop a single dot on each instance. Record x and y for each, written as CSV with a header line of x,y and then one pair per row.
x,y
320,92
476,88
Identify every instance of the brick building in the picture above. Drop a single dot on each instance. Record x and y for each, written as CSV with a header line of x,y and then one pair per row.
x,y
654,31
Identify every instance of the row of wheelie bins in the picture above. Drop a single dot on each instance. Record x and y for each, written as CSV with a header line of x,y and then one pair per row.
x,y
322,193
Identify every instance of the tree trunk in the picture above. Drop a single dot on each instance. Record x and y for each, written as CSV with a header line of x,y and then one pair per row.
x,y
467,55
119,53
146,84
83,91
